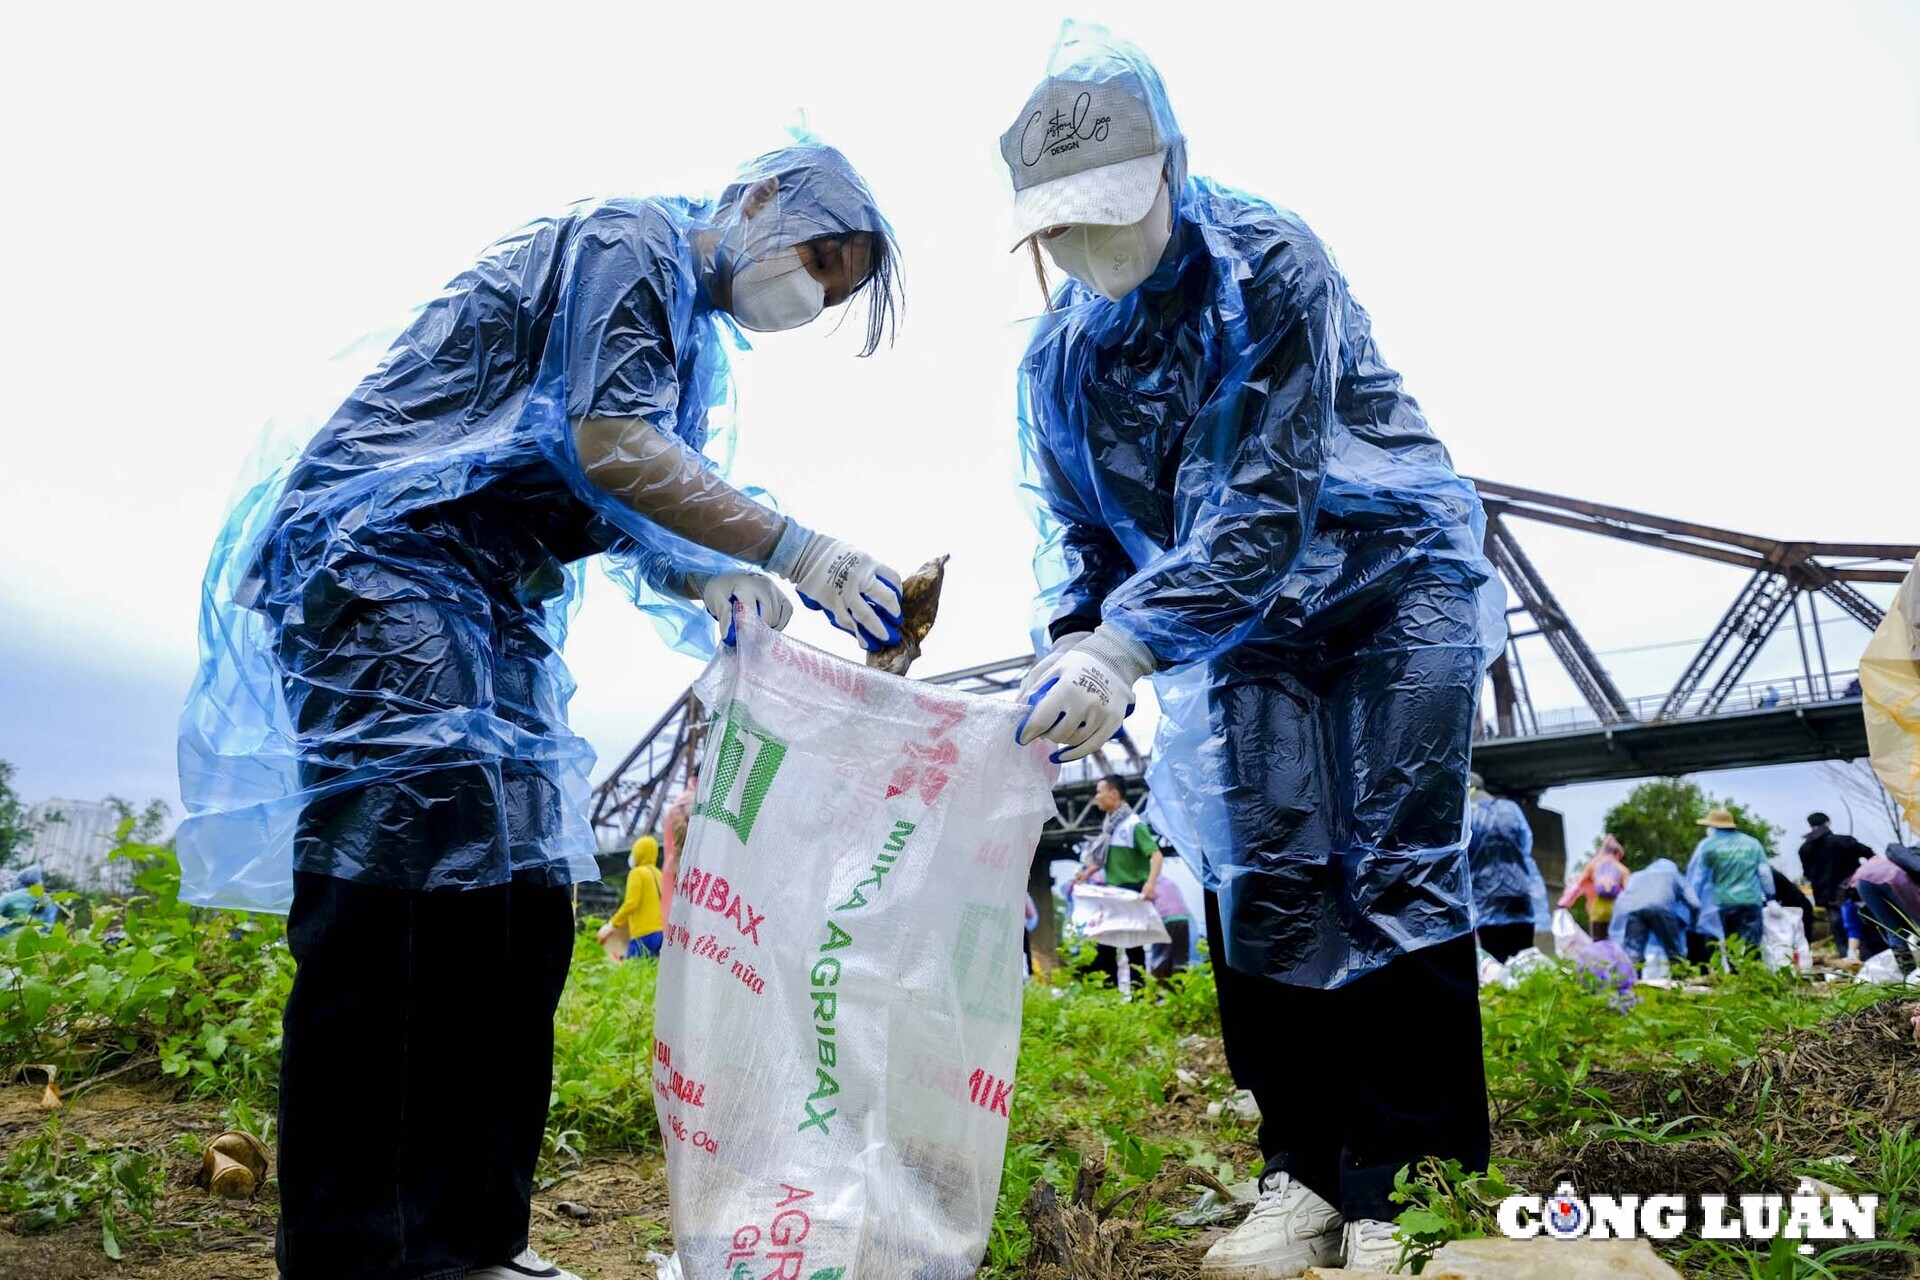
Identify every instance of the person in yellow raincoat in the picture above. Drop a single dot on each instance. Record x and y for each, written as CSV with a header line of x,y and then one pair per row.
x,y
639,914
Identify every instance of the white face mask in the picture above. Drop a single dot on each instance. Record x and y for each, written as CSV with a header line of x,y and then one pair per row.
x,y
1114,260
776,293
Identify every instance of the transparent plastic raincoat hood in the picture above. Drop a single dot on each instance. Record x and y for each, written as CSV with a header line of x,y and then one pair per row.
x,y
381,696
1225,469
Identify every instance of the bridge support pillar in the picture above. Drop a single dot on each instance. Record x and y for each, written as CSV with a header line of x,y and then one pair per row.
x,y
1550,852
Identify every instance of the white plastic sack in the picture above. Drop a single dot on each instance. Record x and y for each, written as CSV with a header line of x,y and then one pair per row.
x,y
1568,939
1656,967
1116,917
1526,961
839,993
1785,939
1493,973
1884,967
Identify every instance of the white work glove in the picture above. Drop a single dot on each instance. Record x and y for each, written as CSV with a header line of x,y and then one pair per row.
x,y
859,595
755,591
1042,670
1087,694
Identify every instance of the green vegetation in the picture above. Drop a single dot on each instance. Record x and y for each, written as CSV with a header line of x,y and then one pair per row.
x,y
1661,819
1751,1082
198,992
15,830
52,1179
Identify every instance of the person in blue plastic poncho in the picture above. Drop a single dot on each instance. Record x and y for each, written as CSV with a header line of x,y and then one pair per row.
x,y
1660,905
1236,493
379,729
27,901
1509,893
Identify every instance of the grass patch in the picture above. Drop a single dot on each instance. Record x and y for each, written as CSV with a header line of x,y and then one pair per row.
x,y
1756,1081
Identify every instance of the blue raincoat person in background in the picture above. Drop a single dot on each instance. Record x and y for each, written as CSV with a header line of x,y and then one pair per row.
x,y
1237,495
1662,905
1509,893
379,731
21,904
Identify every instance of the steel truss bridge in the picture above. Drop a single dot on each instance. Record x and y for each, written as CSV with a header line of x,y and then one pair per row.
x,y
1712,718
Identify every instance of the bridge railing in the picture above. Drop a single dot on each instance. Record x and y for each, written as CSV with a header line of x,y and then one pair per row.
x,y
1757,695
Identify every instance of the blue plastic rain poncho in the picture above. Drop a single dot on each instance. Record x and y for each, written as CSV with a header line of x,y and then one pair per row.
x,y
1227,471
1507,885
381,696
21,903
1659,902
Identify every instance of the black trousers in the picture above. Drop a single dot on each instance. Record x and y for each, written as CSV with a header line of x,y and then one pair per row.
x,y
1662,927
1746,923
1356,1082
415,1066
1106,961
1505,941
1165,961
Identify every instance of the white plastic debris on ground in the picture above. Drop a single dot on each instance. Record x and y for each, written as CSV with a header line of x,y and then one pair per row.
x,y
1884,967
839,995
1569,940
1529,960
1656,968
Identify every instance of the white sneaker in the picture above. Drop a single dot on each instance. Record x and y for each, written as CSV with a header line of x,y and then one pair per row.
x,y
1289,1230
527,1264
1369,1245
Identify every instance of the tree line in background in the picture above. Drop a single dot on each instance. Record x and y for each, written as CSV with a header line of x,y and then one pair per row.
x,y
1661,819
18,826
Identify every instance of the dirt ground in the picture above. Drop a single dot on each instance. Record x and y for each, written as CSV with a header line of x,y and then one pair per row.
x,y
600,1220
1803,1097
603,1219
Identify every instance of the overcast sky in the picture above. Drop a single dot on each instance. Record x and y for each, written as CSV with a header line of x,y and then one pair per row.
x,y
1659,255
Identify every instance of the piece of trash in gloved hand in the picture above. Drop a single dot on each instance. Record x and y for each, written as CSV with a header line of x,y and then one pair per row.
x,y
919,604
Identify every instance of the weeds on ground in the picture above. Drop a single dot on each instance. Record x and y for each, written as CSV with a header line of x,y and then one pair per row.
x,y
1094,1075
53,1178
602,1060
1546,1036
198,992
1445,1202
1683,1067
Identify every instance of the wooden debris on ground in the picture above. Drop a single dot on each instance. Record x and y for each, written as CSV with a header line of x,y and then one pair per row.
x,y
1085,1240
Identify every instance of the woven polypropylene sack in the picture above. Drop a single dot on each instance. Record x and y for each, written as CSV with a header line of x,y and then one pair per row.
x,y
1117,917
838,1012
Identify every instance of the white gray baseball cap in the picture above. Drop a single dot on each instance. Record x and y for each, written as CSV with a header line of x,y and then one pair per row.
x,y
1083,151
